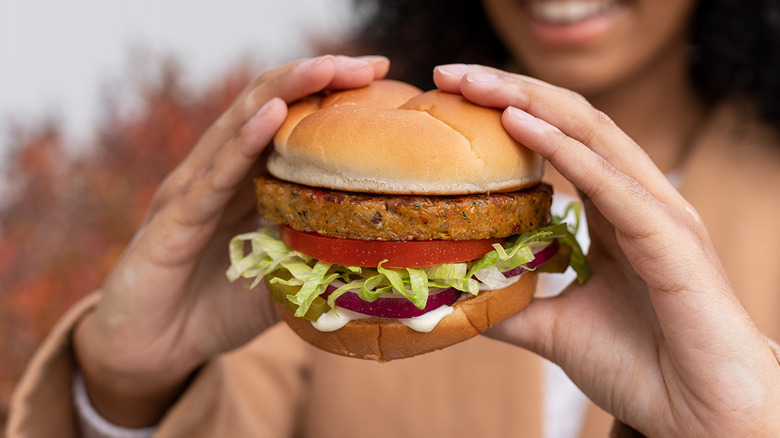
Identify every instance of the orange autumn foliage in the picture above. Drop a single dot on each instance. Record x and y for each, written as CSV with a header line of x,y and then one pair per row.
x,y
70,215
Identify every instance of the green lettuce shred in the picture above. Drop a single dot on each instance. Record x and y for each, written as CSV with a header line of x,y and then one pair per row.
x,y
255,255
577,259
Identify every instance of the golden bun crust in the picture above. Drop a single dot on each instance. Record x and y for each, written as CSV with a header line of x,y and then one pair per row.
x,y
384,340
391,138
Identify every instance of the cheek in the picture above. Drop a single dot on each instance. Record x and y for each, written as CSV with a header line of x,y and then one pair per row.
x,y
646,33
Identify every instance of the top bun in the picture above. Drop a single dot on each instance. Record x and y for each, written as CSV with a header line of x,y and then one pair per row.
x,y
389,137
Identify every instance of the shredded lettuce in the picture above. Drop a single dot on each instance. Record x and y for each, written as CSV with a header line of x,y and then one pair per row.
x,y
255,255
577,259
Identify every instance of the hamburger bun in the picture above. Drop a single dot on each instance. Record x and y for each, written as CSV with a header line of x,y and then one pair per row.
x,y
383,339
431,143
354,176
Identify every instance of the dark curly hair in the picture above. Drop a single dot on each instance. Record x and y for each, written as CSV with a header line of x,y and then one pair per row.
x,y
736,44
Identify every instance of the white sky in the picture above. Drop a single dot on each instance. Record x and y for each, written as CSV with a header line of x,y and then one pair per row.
x,y
57,56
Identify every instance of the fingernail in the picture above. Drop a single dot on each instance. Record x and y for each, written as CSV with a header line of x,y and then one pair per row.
x,y
372,59
518,114
480,77
265,109
355,63
313,62
452,69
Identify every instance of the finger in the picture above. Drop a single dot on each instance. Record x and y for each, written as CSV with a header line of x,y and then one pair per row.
x,y
300,79
654,236
290,83
347,68
450,77
187,222
304,78
621,199
624,184
231,165
353,72
590,336
567,111
666,245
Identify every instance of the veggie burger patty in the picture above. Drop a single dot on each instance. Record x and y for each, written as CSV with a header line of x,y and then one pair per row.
x,y
362,216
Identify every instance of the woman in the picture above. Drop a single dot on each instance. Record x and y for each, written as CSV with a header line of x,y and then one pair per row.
x,y
691,82
151,344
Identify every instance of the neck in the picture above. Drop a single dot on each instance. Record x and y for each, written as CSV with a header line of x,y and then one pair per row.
x,y
657,108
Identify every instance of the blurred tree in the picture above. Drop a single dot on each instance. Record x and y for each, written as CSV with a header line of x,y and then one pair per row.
x,y
69,215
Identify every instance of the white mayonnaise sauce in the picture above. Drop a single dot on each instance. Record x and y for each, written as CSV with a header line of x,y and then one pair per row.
x,y
425,323
339,317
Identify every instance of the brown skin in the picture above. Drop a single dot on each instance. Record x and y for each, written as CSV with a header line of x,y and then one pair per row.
x,y
135,357
635,71
680,355
167,306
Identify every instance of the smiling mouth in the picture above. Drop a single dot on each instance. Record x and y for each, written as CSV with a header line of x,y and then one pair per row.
x,y
563,12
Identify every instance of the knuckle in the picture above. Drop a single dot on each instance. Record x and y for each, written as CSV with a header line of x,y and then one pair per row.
x,y
178,184
598,187
220,182
602,120
165,191
268,75
571,95
688,217
557,139
596,128
241,134
576,96
225,121
555,136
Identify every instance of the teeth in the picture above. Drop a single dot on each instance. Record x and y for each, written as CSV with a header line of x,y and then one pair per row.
x,y
568,11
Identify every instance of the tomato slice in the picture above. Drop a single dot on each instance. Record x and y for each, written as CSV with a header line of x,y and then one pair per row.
x,y
399,254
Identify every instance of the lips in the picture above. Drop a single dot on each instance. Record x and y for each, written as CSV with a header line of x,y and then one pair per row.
x,y
564,12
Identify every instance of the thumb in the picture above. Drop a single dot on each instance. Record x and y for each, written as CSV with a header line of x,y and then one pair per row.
x,y
567,328
533,328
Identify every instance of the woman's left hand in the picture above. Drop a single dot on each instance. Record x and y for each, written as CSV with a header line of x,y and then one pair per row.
x,y
656,337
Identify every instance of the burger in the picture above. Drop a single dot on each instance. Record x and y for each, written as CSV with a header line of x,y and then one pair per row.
x,y
397,222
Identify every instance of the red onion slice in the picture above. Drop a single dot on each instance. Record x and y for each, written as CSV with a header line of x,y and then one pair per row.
x,y
542,256
400,307
393,307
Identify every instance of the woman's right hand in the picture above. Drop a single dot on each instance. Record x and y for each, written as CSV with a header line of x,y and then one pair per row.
x,y
167,306
656,336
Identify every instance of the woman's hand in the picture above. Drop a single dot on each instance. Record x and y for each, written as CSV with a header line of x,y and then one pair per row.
x,y
656,336
167,306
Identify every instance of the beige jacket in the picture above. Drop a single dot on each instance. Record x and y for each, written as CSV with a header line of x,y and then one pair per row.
x,y
278,386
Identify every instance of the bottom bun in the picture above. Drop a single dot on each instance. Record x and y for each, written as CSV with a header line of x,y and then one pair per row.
x,y
387,339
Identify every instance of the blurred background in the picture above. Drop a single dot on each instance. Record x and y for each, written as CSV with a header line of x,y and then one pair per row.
x,y
98,101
